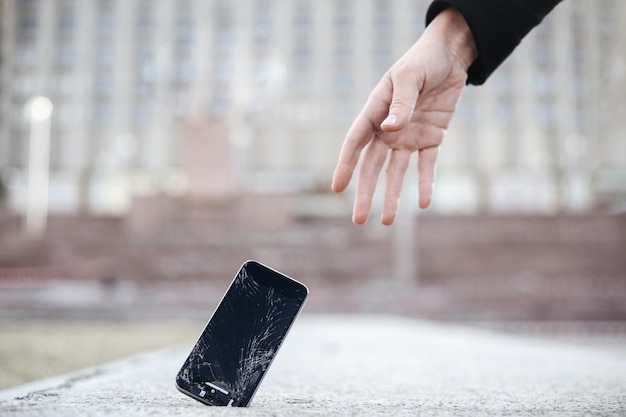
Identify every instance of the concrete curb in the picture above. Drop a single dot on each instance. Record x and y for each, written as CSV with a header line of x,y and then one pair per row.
x,y
360,365
65,381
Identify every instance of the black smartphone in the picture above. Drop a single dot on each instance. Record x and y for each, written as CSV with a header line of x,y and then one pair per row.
x,y
237,346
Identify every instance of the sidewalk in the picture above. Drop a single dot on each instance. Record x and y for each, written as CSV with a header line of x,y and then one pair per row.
x,y
360,365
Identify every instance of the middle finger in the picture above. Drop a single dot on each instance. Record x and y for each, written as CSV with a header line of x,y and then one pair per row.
x,y
373,161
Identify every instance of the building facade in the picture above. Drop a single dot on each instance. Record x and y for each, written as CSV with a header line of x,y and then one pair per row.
x,y
128,77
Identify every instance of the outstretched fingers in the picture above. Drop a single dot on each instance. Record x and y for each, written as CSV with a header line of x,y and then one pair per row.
x,y
373,161
396,171
426,168
358,136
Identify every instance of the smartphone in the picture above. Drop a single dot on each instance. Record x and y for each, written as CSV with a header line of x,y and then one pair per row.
x,y
240,341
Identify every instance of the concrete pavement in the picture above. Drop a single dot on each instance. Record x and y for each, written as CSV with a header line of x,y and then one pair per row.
x,y
360,365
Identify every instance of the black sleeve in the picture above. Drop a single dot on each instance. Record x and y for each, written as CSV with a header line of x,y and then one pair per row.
x,y
498,26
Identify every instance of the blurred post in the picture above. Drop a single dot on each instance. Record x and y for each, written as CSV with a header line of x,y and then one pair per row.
x,y
404,240
38,110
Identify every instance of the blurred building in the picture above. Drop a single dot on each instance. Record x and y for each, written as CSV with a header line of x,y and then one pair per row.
x,y
129,77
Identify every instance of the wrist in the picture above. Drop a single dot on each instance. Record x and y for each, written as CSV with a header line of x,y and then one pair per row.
x,y
450,26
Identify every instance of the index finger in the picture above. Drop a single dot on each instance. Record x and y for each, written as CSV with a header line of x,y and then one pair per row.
x,y
366,124
359,135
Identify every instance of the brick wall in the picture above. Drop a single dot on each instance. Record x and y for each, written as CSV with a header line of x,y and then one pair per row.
x,y
556,267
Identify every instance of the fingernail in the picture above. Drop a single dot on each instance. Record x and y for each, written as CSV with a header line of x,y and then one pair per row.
x,y
391,120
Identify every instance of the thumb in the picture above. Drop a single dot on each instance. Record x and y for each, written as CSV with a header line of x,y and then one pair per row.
x,y
405,92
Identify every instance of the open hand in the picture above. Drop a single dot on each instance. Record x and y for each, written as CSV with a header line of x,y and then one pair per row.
x,y
408,111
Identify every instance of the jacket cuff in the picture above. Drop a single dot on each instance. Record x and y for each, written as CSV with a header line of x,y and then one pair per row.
x,y
497,26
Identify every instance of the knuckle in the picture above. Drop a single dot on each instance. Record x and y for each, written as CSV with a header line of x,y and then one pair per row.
x,y
399,103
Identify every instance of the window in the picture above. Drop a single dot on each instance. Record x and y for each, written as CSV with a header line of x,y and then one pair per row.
x,y
104,84
184,72
544,113
303,54
381,55
27,55
142,113
105,55
106,25
342,55
302,83
27,29
303,24
542,83
103,114
223,71
220,103
66,55
184,37
225,41
342,26
342,83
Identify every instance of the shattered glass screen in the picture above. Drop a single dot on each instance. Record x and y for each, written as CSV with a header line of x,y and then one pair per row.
x,y
238,344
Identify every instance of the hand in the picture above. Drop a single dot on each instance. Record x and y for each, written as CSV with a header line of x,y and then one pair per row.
x,y
408,111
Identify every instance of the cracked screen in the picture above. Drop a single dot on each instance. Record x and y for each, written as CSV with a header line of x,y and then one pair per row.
x,y
240,341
